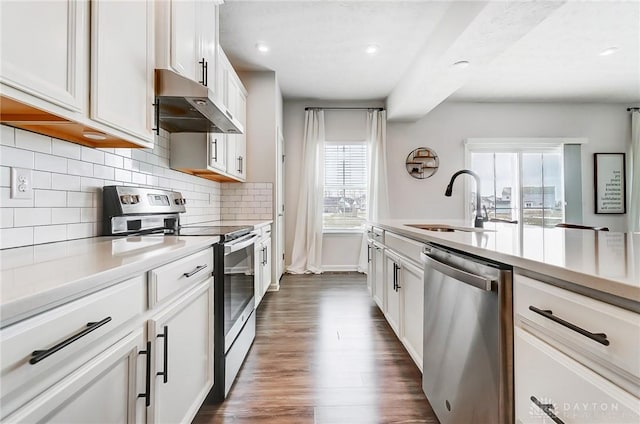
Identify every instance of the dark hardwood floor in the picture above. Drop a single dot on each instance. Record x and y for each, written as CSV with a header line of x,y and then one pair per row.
x,y
323,354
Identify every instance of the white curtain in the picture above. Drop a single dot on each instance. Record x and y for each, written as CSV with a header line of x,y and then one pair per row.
x,y
634,172
377,195
306,254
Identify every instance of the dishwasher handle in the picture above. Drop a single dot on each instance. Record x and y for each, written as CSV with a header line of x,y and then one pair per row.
x,y
477,281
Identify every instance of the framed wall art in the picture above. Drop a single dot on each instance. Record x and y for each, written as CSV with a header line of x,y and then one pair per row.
x,y
610,182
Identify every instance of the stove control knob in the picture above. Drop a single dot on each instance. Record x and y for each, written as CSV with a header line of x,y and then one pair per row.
x,y
135,199
125,199
180,201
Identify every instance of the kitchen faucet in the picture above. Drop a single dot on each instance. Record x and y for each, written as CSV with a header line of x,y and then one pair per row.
x,y
479,220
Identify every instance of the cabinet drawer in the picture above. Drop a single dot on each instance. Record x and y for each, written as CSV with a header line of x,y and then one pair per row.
x,y
621,349
69,333
576,394
407,247
375,234
176,276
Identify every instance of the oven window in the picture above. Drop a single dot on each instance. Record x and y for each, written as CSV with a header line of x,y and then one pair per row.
x,y
238,285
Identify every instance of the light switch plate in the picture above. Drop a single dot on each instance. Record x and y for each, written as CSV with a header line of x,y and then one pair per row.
x,y
21,180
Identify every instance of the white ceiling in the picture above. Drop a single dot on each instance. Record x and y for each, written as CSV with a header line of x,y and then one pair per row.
x,y
519,51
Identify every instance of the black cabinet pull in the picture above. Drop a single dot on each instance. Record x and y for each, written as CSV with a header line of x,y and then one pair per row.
x,y
147,385
368,253
215,149
598,337
395,277
195,271
240,164
156,109
547,408
165,372
204,64
39,355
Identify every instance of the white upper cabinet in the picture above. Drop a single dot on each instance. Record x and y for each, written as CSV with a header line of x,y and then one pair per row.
x,y
122,79
187,37
44,50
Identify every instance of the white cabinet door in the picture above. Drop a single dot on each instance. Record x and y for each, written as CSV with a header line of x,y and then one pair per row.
x,y
412,289
217,151
182,337
378,276
122,66
370,268
257,265
208,40
549,382
43,50
392,290
184,40
104,390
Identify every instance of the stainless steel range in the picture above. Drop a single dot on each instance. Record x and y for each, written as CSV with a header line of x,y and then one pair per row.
x,y
135,210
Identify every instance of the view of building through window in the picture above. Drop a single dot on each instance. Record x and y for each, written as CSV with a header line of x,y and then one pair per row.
x,y
345,185
523,186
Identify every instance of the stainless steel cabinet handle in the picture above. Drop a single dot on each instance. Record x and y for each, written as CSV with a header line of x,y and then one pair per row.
x,y
547,408
195,271
478,281
39,355
598,337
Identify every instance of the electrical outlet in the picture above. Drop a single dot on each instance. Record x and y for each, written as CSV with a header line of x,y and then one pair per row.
x,y
21,179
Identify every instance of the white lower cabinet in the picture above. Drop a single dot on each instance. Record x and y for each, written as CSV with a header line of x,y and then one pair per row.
x,y
182,340
552,387
412,292
262,264
392,290
104,390
370,267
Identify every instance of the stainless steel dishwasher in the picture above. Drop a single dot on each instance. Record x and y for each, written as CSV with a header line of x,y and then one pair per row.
x,y
468,337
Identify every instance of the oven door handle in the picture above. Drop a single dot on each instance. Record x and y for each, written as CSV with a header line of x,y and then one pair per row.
x,y
239,244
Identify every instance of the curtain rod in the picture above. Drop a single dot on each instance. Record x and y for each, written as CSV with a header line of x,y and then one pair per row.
x,y
629,109
343,108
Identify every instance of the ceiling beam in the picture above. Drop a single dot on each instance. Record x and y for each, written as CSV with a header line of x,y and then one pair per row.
x,y
477,32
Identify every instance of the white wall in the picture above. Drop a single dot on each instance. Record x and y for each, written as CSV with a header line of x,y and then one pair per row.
x,y
607,127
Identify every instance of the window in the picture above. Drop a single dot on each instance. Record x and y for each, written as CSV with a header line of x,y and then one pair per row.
x,y
523,183
345,186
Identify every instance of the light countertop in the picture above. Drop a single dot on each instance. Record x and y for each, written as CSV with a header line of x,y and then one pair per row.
x,y
607,262
36,278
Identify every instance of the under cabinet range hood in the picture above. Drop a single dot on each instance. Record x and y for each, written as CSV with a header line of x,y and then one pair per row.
x,y
184,105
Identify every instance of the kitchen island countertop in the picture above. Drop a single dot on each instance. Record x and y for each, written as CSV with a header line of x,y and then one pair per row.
x,y
599,261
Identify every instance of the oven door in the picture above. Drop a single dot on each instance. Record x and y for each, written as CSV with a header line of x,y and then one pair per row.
x,y
239,281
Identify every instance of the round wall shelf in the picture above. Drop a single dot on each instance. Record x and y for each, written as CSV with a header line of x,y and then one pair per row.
x,y
422,163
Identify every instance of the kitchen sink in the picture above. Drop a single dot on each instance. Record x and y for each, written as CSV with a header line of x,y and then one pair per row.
x,y
446,228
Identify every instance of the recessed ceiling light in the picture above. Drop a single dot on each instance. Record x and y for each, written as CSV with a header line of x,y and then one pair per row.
x,y
92,135
262,48
461,64
609,51
372,49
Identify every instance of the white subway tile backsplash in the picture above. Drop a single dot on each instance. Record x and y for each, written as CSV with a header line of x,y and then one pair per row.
x,y
87,229
14,237
29,217
65,182
50,198
7,202
88,154
113,160
10,156
103,172
77,167
65,149
5,176
65,215
79,199
122,175
68,180
6,217
41,179
51,163
32,141
49,233
7,135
